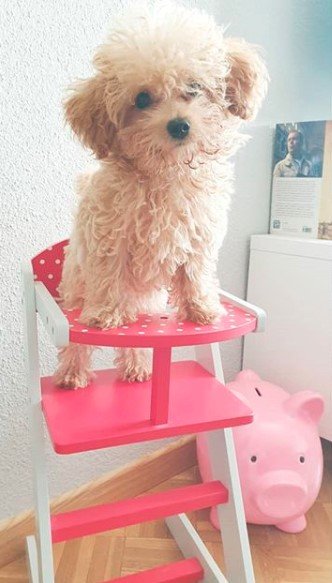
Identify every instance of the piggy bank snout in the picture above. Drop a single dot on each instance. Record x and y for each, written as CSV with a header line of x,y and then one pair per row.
x,y
281,494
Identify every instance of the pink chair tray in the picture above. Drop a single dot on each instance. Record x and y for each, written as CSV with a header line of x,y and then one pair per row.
x,y
111,412
157,330
163,330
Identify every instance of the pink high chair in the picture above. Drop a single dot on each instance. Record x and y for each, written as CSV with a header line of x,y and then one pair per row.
x,y
182,398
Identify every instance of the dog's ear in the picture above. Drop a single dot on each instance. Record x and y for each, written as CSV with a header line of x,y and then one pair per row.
x,y
86,112
246,82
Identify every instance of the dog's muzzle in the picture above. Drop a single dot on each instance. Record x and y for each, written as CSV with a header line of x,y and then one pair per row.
x,y
178,128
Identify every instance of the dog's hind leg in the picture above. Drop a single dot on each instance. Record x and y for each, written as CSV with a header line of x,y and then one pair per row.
x,y
134,364
73,370
74,360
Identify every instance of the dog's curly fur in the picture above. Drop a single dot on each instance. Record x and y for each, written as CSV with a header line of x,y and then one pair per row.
x,y
153,216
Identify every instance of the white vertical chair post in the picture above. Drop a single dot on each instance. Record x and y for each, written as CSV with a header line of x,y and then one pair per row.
x,y
222,457
42,546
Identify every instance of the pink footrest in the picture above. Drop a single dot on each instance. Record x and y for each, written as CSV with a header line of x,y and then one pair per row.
x,y
187,571
104,517
112,412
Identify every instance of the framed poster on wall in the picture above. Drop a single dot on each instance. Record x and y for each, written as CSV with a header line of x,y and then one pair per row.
x,y
302,180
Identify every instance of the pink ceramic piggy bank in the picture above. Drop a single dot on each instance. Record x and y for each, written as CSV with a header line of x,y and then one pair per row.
x,y
279,455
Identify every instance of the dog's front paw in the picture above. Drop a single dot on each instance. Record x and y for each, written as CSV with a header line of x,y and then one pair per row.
x,y
201,314
105,319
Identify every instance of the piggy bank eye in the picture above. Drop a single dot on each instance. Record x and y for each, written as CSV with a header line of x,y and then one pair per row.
x,y
253,459
302,459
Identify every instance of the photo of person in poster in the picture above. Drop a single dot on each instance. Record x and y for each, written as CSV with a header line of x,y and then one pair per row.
x,y
299,149
295,164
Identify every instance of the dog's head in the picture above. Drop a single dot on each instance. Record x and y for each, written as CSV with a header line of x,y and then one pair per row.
x,y
168,89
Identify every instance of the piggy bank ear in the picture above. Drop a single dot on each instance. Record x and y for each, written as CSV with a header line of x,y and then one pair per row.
x,y
305,404
247,376
241,397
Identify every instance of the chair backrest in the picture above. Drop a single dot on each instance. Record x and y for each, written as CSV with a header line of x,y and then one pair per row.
x,y
47,266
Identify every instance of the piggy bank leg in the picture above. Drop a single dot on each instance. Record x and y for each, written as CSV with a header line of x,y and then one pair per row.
x,y
293,526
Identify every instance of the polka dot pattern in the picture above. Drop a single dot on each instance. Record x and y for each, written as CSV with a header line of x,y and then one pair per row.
x,y
47,266
161,330
156,330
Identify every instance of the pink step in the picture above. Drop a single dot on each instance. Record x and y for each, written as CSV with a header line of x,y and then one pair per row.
x,y
112,412
187,571
83,522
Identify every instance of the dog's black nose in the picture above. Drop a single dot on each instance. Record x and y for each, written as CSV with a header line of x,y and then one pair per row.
x,y
178,128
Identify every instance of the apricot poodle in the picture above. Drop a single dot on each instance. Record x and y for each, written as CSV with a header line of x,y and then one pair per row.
x,y
162,114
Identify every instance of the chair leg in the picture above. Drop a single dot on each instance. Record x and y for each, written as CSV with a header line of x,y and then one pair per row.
x,y
32,556
191,545
231,516
40,547
41,498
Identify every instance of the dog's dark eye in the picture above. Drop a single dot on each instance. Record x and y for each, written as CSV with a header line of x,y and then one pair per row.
x,y
143,100
194,89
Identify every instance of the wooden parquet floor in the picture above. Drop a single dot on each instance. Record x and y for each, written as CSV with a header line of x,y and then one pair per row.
x,y
278,557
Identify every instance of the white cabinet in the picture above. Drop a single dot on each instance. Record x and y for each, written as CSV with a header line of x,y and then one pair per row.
x,y
292,280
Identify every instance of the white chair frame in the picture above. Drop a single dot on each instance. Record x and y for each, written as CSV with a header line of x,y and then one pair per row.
x,y
37,299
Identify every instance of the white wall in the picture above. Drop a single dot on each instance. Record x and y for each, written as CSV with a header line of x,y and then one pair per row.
x,y
296,36
44,46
